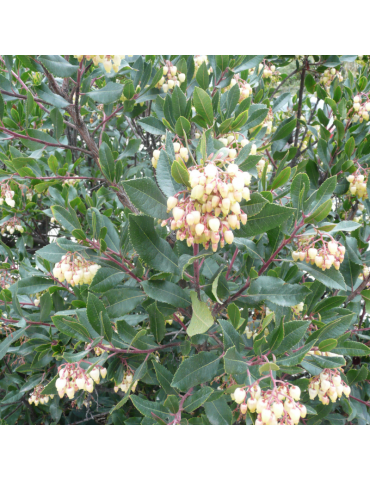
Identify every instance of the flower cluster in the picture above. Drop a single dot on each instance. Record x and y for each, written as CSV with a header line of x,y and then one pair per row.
x,y
274,407
11,226
240,142
328,386
37,397
244,87
108,61
73,378
331,253
298,309
328,77
199,60
75,269
358,185
181,153
171,77
6,195
362,110
126,383
212,210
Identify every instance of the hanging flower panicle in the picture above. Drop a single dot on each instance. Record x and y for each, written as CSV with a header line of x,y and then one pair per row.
x,y
212,210
126,383
325,256
108,61
11,226
75,269
36,397
358,184
73,378
279,406
7,195
328,386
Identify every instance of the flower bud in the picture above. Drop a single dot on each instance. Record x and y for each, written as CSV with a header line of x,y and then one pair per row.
x,y
295,393
243,408
239,395
199,229
156,154
312,253
171,203
229,237
252,404
184,152
182,77
214,224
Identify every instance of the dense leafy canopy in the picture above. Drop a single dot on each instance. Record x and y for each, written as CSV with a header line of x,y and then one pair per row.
x,y
178,231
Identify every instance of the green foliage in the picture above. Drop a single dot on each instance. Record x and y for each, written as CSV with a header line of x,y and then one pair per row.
x,y
176,321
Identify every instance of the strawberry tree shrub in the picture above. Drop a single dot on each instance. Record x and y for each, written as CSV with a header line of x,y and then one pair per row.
x,y
184,240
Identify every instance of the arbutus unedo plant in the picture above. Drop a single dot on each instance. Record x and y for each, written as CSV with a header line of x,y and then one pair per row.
x,y
184,239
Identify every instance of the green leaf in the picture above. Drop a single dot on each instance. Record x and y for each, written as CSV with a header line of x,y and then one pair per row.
x,y
231,337
2,107
106,161
180,173
293,333
11,338
256,116
157,322
352,349
202,319
166,292
301,180
98,317
71,328
203,105
267,367
57,65
123,301
330,278
218,412
234,362
269,217
350,147
32,285
200,368
328,345
284,130
152,125
182,127
105,279
58,122
234,315
178,103
146,196
328,304
146,408
321,212
109,94
203,76
46,306
281,179
155,251
67,218
164,378
296,357
334,329
198,398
